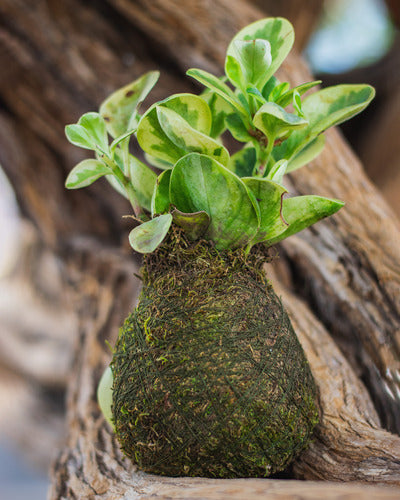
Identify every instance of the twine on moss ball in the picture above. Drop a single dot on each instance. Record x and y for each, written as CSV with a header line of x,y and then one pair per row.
x,y
209,377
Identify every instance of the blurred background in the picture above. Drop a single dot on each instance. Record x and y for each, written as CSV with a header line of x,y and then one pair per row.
x,y
342,40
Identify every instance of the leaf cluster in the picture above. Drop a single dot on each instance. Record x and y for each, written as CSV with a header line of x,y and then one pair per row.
x,y
189,177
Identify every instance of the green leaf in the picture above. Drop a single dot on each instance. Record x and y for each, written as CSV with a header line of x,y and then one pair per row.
x,y
235,72
199,183
275,122
119,109
237,128
326,108
219,110
151,136
160,201
307,154
254,59
216,85
334,105
85,173
243,162
156,162
269,87
277,31
116,184
277,171
301,212
149,235
194,224
278,90
187,138
143,180
89,133
257,94
286,98
104,395
269,197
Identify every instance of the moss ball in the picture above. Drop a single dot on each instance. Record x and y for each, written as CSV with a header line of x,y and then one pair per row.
x,y
209,377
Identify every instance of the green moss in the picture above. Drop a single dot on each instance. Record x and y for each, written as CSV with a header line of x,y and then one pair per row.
x,y
209,377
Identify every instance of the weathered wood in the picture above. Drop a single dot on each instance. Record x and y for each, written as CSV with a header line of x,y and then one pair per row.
x,y
349,444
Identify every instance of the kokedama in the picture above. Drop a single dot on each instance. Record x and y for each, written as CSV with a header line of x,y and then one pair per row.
x,y
207,376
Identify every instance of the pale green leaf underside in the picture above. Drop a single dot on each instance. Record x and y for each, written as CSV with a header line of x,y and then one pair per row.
x,y
151,136
275,122
301,212
326,108
216,85
254,59
104,395
277,31
143,180
306,155
269,198
119,109
149,235
89,133
194,224
85,173
187,138
199,183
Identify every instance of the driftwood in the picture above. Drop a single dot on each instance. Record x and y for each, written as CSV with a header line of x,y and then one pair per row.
x,y
61,59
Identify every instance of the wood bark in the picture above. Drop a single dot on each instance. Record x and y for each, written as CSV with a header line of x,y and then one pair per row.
x,y
61,59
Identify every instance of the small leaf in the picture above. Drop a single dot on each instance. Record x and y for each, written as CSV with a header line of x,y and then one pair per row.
x,y
194,224
326,108
151,136
234,72
286,98
278,90
243,162
85,173
216,85
119,109
254,58
187,138
143,179
307,154
269,87
277,31
333,105
277,171
89,133
199,183
149,235
257,94
269,197
104,395
297,104
160,201
238,128
301,212
219,110
275,122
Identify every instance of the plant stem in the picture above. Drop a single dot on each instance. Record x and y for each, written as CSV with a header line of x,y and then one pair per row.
x,y
264,156
125,181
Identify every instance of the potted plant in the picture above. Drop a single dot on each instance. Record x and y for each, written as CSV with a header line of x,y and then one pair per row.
x,y
208,377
